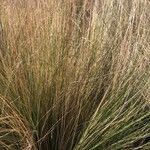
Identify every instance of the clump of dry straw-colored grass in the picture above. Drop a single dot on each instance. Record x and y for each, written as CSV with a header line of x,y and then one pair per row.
x,y
74,74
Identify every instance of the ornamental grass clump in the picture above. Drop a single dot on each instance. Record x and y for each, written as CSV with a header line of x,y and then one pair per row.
x,y
75,75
